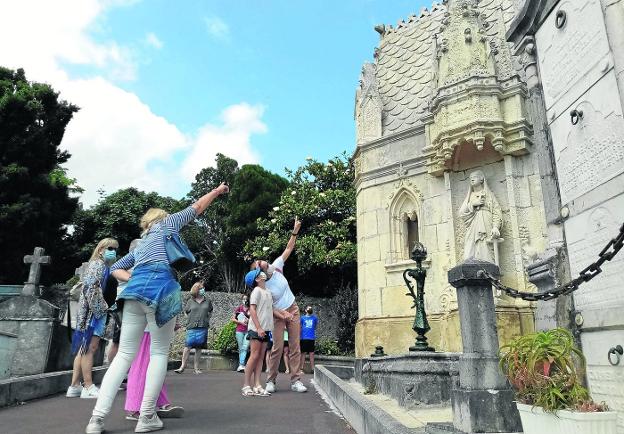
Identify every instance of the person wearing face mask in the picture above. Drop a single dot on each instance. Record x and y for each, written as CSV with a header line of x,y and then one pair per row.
x,y
91,318
286,315
241,318
198,308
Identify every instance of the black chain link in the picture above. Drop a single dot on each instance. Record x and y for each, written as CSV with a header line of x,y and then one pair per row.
x,y
587,274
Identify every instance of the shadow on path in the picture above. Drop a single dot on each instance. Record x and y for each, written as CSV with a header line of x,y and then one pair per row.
x,y
213,404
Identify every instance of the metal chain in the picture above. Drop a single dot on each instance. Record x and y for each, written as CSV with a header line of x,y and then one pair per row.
x,y
587,274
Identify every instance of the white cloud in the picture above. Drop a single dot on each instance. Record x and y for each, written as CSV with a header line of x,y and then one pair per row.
x,y
232,138
217,27
116,140
152,40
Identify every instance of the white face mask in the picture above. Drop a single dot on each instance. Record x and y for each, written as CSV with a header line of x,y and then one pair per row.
x,y
270,271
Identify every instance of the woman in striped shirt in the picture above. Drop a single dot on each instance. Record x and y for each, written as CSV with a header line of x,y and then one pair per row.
x,y
152,298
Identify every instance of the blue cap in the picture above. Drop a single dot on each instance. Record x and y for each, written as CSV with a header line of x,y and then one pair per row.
x,y
250,278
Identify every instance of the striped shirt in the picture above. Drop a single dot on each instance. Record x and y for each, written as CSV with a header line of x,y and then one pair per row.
x,y
151,249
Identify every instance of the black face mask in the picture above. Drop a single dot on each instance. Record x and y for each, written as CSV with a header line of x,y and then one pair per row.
x,y
246,303
309,311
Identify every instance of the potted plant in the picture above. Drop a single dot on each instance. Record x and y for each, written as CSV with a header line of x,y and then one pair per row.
x,y
542,368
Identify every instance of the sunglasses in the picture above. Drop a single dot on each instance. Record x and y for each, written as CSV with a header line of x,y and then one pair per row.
x,y
114,249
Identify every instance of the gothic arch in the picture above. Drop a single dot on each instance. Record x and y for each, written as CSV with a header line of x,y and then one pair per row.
x,y
405,213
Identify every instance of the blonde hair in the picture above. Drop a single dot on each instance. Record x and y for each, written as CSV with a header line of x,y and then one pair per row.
x,y
153,215
103,244
195,288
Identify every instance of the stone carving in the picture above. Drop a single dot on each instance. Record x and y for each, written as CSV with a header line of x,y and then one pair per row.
x,y
568,55
473,64
582,164
368,106
36,260
482,216
405,204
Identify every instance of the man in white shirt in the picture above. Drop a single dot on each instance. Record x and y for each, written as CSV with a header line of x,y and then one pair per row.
x,y
285,315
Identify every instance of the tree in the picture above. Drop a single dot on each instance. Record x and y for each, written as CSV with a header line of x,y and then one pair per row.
x,y
254,193
230,221
35,204
116,216
207,237
322,195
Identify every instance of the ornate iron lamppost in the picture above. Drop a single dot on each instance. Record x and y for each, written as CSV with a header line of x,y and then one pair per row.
x,y
421,325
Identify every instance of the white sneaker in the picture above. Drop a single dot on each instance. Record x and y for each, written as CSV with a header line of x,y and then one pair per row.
x,y
91,392
149,424
96,425
74,391
270,387
298,386
240,368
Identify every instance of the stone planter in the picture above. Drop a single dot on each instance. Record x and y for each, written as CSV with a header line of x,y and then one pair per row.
x,y
537,421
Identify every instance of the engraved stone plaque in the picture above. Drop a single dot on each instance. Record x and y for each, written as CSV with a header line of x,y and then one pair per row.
x,y
605,381
572,57
591,152
587,234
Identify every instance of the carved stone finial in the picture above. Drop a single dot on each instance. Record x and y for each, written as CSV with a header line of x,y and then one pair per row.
x,y
381,29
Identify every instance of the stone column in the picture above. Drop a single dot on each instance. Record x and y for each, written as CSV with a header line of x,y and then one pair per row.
x,y
483,402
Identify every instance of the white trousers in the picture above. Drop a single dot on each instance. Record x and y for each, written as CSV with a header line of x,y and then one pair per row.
x,y
136,316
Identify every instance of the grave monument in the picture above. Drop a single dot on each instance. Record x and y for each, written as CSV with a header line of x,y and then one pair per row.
x,y
449,153
575,52
41,343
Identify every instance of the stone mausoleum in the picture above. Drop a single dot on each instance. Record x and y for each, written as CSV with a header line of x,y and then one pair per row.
x,y
494,129
445,97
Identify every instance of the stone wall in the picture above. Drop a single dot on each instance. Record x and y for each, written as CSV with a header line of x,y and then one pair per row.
x,y
224,304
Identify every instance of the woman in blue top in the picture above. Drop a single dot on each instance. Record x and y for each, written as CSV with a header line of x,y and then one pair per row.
x,y
152,297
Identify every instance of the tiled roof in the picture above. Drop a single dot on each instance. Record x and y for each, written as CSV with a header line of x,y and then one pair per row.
x,y
405,61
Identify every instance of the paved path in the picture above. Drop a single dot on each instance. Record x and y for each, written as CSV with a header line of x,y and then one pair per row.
x,y
213,404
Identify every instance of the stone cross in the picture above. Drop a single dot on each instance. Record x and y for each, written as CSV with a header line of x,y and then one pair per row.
x,y
36,260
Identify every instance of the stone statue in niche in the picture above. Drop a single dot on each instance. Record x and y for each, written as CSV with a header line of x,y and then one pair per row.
x,y
482,217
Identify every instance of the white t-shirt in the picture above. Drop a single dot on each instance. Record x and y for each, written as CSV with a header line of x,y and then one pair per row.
x,y
283,297
264,309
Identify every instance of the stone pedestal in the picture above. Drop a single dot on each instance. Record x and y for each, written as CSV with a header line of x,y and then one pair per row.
x,y
483,402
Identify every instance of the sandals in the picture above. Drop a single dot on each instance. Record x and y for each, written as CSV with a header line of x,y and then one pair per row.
x,y
247,391
179,370
259,391
198,371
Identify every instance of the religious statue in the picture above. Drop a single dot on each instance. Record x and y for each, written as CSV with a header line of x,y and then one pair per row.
x,y
482,217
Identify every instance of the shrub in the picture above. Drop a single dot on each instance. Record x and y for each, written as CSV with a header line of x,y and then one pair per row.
x,y
347,310
327,346
225,342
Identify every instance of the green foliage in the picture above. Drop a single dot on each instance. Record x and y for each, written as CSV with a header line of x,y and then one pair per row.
x,y
117,215
322,195
231,220
225,342
346,302
542,368
327,347
34,199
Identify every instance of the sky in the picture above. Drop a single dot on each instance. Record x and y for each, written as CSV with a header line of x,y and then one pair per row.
x,y
163,86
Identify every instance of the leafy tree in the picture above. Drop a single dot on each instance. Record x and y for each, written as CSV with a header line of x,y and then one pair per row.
x,y
117,216
254,193
322,195
34,198
207,237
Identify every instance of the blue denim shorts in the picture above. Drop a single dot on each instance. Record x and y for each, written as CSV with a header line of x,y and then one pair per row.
x,y
156,286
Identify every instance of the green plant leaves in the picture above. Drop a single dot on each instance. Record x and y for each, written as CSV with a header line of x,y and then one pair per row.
x,y
542,368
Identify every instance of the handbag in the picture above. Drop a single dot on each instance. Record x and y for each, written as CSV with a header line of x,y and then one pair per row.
x,y
180,257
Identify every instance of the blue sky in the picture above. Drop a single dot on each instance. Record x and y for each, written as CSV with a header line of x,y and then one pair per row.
x,y
203,71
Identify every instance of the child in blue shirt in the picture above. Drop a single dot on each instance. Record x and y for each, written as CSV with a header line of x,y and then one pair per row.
x,y
308,336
